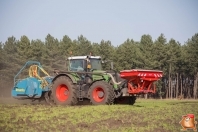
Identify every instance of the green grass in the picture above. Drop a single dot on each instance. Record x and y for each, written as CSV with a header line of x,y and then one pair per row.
x,y
144,115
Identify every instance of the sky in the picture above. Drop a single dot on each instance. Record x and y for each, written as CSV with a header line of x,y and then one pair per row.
x,y
96,20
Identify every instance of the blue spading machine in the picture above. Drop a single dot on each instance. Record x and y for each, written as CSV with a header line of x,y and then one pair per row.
x,y
32,86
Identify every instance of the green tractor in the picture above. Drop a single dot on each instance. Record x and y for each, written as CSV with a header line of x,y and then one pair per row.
x,y
84,79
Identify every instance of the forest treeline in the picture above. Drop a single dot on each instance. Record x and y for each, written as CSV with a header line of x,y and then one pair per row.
x,y
179,62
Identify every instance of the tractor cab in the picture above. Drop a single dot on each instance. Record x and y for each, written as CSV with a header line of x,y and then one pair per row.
x,y
84,63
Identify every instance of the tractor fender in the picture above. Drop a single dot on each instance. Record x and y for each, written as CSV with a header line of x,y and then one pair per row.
x,y
115,86
68,75
101,80
96,81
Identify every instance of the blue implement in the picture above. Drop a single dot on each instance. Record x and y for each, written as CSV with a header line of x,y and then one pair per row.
x,y
31,87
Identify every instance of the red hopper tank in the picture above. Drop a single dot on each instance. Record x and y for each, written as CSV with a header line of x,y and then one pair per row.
x,y
140,80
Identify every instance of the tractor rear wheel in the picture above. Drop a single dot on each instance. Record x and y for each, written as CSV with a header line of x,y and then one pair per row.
x,y
64,91
101,93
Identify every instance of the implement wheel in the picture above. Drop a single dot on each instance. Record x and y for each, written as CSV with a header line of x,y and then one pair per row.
x,y
63,91
126,100
101,93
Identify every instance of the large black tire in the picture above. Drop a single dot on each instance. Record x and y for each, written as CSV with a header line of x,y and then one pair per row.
x,y
126,100
101,93
64,91
48,98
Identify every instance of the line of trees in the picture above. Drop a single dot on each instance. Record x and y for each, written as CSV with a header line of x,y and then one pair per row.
x,y
179,62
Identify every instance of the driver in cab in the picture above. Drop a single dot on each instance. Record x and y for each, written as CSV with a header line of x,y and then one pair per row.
x,y
80,67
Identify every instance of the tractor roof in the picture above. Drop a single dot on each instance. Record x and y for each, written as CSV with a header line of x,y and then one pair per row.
x,y
83,57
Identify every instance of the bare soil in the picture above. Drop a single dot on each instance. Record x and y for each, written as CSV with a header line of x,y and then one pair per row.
x,y
143,116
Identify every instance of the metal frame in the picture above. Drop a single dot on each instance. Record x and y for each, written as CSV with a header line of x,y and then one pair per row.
x,y
26,64
83,57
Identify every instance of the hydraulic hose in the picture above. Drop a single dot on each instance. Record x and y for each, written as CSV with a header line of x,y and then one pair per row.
x,y
113,79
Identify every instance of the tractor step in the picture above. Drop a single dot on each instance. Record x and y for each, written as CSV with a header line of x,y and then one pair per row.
x,y
80,90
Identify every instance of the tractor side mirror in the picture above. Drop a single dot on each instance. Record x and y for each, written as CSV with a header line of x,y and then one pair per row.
x,y
104,61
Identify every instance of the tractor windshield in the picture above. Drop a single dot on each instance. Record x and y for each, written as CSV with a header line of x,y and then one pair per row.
x,y
80,64
96,64
76,65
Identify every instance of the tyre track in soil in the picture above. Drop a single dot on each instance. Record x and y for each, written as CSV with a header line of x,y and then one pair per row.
x,y
111,123
10,100
131,119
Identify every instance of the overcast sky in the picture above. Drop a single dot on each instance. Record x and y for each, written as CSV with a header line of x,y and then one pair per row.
x,y
114,20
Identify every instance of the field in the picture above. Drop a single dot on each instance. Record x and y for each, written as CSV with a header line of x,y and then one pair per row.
x,y
144,116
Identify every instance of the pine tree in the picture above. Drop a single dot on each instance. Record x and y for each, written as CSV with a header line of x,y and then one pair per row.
x,y
24,48
106,51
51,54
37,48
192,50
11,59
146,48
128,55
84,46
2,56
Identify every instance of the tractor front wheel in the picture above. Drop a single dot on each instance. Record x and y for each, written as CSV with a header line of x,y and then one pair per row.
x,y
64,91
101,93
